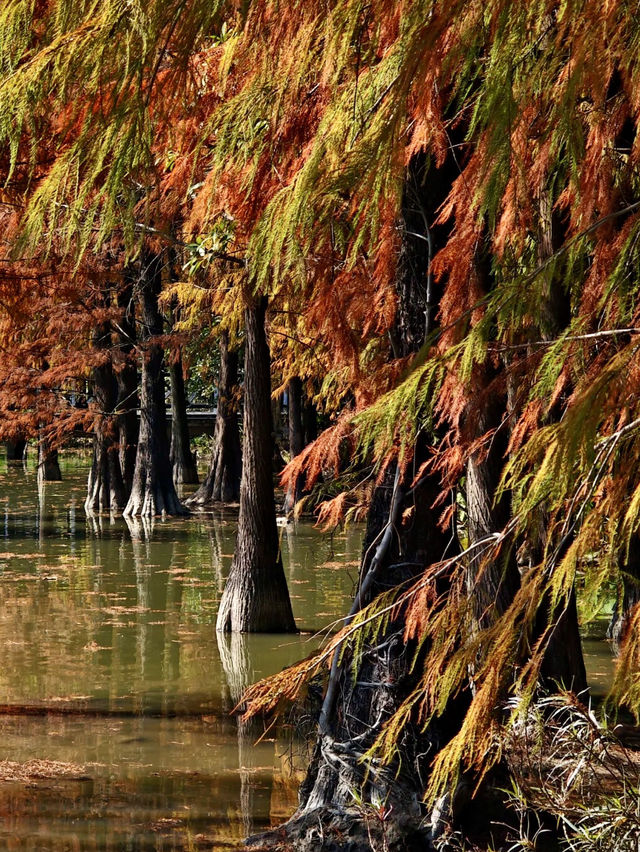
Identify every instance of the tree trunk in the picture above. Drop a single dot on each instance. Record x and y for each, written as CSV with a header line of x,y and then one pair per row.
x,y
153,491
127,380
628,593
295,491
348,803
256,598
16,450
222,483
183,461
499,580
48,465
105,489
276,416
310,422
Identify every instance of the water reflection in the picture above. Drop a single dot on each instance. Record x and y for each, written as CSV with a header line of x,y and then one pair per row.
x,y
110,661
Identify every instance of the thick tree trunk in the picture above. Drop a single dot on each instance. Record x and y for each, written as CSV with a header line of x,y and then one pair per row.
x,y
16,450
105,489
499,580
183,461
127,380
346,802
48,464
222,483
256,598
563,664
295,491
153,491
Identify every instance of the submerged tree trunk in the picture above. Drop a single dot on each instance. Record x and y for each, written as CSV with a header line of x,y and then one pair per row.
x,y
16,450
183,461
153,491
256,598
105,489
222,483
127,381
48,464
345,802
295,491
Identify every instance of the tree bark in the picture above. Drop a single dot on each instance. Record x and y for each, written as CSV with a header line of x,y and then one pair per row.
x,y
183,461
256,598
341,798
16,450
48,464
105,488
346,801
153,491
222,483
499,580
127,381
295,491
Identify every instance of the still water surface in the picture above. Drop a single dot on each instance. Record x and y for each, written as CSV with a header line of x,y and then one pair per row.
x,y
110,661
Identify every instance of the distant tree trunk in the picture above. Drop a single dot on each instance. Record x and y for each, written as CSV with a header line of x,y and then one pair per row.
x,y
127,380
105,489
183,461
222,483
310,422
153,491
295,491
16,450
276,414
48,464
256,598
628,593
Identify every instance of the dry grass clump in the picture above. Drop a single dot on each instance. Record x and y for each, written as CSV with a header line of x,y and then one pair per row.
x,y
567,763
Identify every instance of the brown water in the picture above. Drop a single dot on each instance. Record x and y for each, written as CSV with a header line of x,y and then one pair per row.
x,y
109,650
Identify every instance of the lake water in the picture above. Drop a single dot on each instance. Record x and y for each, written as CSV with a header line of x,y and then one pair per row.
x,y
110,662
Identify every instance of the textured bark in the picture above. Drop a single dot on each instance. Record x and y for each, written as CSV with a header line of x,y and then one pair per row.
x,y
105,488
341,795
500,579
222,483
153,491
295,491
563,664
256,598
127,380
337,800
183,461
